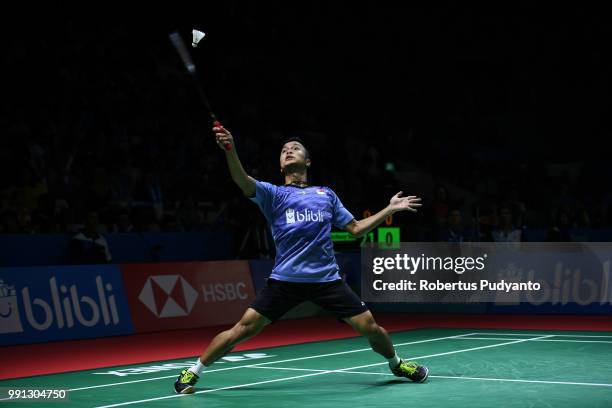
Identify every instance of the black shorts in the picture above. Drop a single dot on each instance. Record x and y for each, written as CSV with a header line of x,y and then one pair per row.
x,y
278,297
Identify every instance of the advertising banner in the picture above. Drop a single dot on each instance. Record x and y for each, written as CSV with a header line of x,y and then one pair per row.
x,y
39,304
168,296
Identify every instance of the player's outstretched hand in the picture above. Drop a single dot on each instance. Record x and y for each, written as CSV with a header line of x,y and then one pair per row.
x,y
409,203
224,138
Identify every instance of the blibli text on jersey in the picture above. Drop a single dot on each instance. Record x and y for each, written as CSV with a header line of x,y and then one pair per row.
x,y
292,216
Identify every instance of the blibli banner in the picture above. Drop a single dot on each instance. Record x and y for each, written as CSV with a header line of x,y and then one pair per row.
x,y
168,296
39,304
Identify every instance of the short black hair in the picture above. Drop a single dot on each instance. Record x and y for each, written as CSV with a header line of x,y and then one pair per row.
x,y
300,141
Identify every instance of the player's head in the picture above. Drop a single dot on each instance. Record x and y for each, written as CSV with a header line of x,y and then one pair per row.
x,y
294,156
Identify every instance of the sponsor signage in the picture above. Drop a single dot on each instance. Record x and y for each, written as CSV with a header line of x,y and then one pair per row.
x,y
169,296
40,304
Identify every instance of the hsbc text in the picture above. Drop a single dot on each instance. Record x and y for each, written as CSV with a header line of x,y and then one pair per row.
x,y
222,292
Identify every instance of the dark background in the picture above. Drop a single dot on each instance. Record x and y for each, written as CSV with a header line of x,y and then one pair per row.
x,y
505,108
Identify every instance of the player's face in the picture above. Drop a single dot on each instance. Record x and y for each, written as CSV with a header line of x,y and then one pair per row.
x,y
293,155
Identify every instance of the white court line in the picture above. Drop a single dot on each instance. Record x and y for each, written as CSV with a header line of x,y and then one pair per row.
x,y
213,390
452,352
544,340
265,363
313,374
523,381
500,379
450,377
538,334
291,369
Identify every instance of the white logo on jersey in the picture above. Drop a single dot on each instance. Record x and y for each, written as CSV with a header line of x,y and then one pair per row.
x,y
307,215
290,214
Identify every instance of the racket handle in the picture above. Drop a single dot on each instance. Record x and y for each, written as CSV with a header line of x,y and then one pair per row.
x,y
216,123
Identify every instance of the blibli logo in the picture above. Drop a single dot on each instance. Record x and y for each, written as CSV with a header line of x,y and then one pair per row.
x,y
290,214
9,310
66,308
306,215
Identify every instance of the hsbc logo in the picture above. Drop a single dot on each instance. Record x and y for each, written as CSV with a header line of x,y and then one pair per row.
x,y
168,296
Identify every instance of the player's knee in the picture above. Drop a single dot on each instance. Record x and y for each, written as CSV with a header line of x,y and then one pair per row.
x,y
253,329
369,328
374,329
245,330
249,325
241,332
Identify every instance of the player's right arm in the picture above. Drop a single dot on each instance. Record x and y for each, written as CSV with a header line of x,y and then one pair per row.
x,y
245,182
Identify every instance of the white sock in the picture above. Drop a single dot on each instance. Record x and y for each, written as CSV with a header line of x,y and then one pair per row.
x,y
197,368
394,361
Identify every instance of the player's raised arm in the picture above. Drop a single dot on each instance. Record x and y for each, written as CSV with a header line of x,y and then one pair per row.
x,y
225,141
397,203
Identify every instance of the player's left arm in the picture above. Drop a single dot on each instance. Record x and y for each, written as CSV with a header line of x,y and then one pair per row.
x,y
359,228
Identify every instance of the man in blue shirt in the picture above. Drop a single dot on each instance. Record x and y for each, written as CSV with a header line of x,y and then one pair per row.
x,y
301,217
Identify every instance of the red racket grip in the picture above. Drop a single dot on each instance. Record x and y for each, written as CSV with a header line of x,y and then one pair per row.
x,y
228,146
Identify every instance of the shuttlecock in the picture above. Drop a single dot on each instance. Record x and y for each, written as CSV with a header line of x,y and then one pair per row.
x,y
197,36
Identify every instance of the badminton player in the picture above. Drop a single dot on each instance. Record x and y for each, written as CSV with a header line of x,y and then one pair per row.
x,y
301,217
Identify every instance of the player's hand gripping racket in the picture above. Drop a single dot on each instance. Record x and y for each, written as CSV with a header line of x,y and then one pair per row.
x,y
183,52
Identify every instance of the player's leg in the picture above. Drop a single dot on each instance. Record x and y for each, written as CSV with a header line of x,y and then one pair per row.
x,y
381,343
251,323
376,335
271,303
337,297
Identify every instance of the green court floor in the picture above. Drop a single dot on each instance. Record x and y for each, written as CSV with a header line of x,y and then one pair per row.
x,y
468,368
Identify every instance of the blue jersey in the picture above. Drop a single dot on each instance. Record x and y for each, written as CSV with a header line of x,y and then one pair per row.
x,y
301,221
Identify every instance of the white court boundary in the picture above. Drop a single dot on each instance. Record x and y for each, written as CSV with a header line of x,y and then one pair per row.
x,y
448,377
312,374
544,340
466,336
261,364
535,334
272,362
459,336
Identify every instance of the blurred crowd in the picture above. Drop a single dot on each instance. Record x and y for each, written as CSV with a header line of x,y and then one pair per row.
x,y
147,182
118,135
